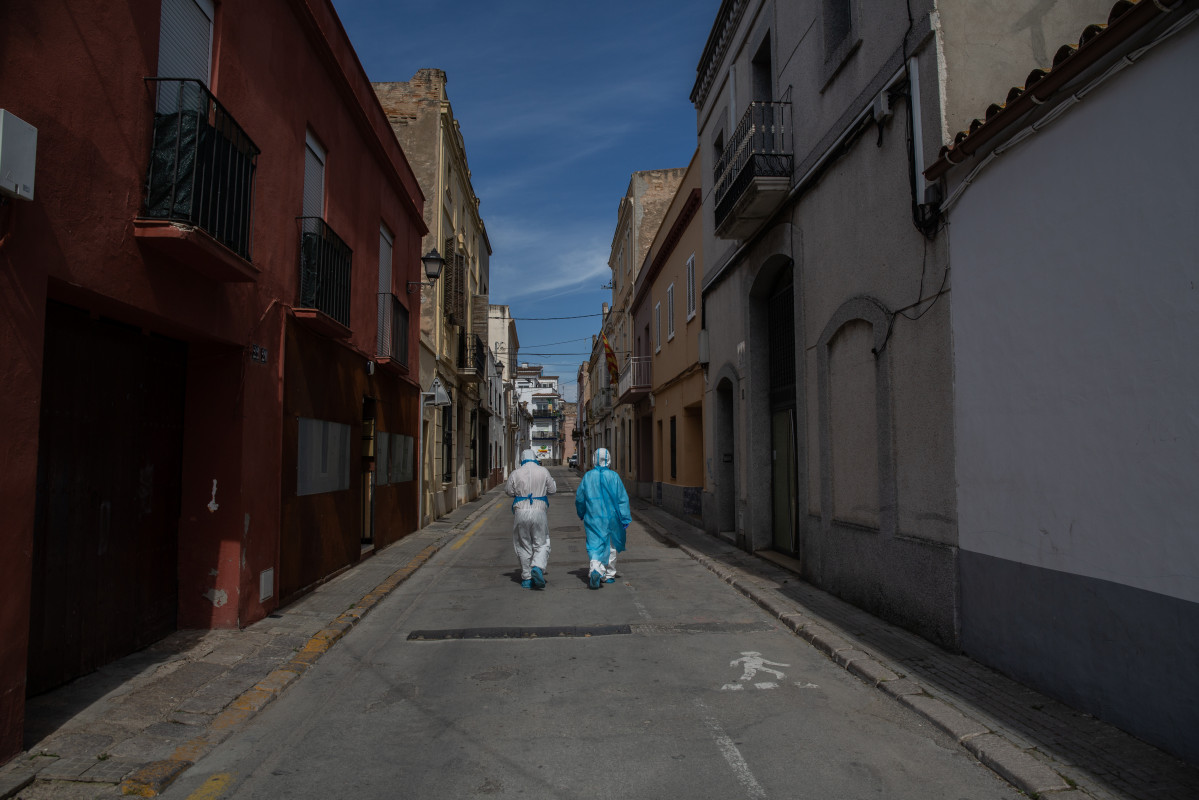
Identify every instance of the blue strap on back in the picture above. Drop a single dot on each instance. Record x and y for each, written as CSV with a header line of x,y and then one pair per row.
x,y
530,498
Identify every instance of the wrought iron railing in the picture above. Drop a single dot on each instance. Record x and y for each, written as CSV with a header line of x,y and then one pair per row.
x,y
392,340
636,375
760,147
201,165
324,270
472,355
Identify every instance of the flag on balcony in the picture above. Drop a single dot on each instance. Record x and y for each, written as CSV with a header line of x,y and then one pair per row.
x,y
613,372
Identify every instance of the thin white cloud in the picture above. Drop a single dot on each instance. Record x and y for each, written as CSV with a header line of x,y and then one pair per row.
x,y
537,260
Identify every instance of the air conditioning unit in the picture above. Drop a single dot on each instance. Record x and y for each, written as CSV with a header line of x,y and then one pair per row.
x,y
18,156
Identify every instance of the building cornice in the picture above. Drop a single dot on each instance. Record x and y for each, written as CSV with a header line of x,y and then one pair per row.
x,y
728,19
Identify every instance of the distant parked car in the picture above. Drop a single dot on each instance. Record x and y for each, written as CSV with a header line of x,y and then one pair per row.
x,y
573,461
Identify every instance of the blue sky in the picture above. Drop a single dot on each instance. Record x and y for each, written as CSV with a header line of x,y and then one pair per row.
x,y
559,102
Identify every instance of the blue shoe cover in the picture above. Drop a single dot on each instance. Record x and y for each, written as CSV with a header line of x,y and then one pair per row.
x,y
609,580
526,584
595,579
538,578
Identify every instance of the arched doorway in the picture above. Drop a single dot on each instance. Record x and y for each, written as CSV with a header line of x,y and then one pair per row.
x,y
780,309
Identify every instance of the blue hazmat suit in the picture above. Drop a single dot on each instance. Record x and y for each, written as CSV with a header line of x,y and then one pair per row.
x,y
603,504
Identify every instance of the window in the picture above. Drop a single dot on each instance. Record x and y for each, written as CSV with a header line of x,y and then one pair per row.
x,y
763,89
322,457
384,330
690,288
394,458
841,39
670,312
447,444
657,327
385,255
314,182
838,22
402,462
184,48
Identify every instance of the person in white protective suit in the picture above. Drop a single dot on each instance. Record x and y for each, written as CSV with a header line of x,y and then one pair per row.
x,y
530,485
603,504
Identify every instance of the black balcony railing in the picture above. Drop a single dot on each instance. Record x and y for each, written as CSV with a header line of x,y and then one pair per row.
x,y
472,355
759,148
393,329
324,270
201,165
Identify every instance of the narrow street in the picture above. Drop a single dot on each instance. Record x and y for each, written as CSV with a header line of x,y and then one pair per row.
x,y
666,683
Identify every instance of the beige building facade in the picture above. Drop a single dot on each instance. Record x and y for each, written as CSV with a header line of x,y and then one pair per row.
x,y
454,309
638,216
662,380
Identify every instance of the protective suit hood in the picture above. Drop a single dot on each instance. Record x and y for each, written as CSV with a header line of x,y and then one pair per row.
x,y
528,455
602,457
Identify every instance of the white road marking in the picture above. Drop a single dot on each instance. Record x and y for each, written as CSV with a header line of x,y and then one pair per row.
x,y
806,685
732,687
754,663
732,755
766,685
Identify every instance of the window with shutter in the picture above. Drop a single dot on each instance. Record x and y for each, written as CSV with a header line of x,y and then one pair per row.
x,y
383,344
670,312
314,181
690,287
184,48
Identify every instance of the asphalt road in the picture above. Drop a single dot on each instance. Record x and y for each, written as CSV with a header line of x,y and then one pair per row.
x,y
665,684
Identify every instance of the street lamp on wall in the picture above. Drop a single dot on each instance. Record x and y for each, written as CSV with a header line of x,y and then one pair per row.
x,y
433,263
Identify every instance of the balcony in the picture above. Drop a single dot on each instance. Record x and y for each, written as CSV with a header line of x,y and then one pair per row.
x,y
391,345
472,358
200,183
324,302
635,379
753,174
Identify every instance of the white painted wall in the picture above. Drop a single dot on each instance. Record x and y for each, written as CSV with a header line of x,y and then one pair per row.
x,y
1075,271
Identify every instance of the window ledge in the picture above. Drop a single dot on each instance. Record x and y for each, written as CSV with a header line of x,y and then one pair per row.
x,y
838,58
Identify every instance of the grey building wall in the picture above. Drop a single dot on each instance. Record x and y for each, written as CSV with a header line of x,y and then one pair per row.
x,y
1073,317
874,436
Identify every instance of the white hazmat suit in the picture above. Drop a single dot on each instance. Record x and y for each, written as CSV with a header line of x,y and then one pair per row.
x,y
531,486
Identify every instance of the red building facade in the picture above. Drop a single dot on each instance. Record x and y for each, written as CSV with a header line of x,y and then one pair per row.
x,y
207,338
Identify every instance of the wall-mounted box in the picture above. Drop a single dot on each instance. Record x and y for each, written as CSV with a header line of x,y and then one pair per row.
x,y
18,156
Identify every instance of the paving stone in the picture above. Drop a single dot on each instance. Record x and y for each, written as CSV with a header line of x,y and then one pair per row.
x,y
77,745
13,781
108,771
67,768
144,749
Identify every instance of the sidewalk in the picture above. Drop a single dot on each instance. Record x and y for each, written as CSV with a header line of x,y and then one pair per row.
x,y
137,724
1041,746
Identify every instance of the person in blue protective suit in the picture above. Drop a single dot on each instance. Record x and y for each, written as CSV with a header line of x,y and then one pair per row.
x,y
603,504
530,485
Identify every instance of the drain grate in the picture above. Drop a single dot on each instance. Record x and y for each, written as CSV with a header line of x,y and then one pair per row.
x,y
552,632
650,628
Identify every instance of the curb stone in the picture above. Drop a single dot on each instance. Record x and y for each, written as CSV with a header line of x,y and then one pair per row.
x,y
1022,770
